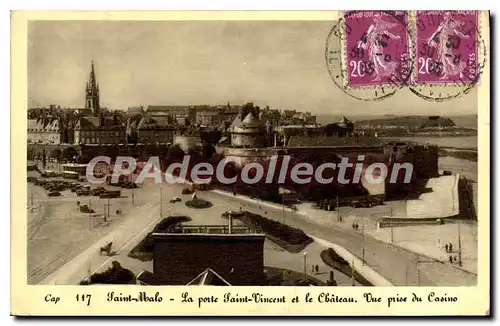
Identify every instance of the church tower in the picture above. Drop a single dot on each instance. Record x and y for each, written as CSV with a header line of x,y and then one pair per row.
x,y
92,92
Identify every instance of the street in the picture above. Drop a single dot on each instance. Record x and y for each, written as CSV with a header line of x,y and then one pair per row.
x,y
399,266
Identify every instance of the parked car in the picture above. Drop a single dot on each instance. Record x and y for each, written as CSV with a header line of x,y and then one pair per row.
x,y
187,191
86,209
97,191
54,194
175,200
361,203
110,194
82,192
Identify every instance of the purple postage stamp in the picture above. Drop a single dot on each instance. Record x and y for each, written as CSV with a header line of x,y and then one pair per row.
x,y
446,47
377,48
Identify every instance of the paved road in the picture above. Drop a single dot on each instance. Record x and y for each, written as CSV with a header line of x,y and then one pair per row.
x,y
397,265
127,235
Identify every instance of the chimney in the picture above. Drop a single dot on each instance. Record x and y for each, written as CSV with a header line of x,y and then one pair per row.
x,y
230,223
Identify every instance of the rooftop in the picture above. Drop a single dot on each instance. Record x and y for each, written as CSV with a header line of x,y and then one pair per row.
x,y
327,141
162,108
210,230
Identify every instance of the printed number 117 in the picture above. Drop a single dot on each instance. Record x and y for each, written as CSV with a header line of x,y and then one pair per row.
x,y
84,297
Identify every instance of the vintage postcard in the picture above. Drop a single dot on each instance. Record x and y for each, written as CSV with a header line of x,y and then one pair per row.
x,y
329,163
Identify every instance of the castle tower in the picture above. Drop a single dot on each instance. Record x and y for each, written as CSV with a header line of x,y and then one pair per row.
x,y
92,92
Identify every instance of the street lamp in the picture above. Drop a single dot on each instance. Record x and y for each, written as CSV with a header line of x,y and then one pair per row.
x,y
353,278
459,246
363,249
406,271
161,201
305,266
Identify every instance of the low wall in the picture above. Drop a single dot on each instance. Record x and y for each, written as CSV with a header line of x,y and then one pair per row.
x,y
441,202
408,222
356,263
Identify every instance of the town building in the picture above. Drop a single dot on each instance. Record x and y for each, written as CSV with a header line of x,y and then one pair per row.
x,y
285,132
206,115
227,114
87,130
156,130
182,114
188,138
102,130
112,130
136,110
44,131
207,254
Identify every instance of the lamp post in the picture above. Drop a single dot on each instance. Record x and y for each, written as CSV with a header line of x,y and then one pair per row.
x,y
392,229
459,246
90,216
363,248
283,209
282,192
305,266
418,270
352,272
337,208
406,271
161,201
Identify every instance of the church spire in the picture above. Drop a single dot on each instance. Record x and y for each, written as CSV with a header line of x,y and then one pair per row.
x,y
92,92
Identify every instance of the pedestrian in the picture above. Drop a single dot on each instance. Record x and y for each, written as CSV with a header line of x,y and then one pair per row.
x,y
451,259
455,259
357,226
78,203
451,247
446,247
317,269
312,269
353,225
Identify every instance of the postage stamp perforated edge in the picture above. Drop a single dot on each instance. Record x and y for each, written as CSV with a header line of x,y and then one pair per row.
x,y
480,55
344,57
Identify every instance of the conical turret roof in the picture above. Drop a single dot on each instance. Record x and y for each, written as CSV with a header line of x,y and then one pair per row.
x,y
251,121
344,121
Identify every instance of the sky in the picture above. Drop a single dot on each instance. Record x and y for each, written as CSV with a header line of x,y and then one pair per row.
x,y
275,63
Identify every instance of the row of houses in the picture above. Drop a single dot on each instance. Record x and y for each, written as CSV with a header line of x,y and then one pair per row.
x,y
156,124
103,130
204,115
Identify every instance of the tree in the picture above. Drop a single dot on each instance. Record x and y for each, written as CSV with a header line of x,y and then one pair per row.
x,y
211,136
69,154
207,151
56,153
174,154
